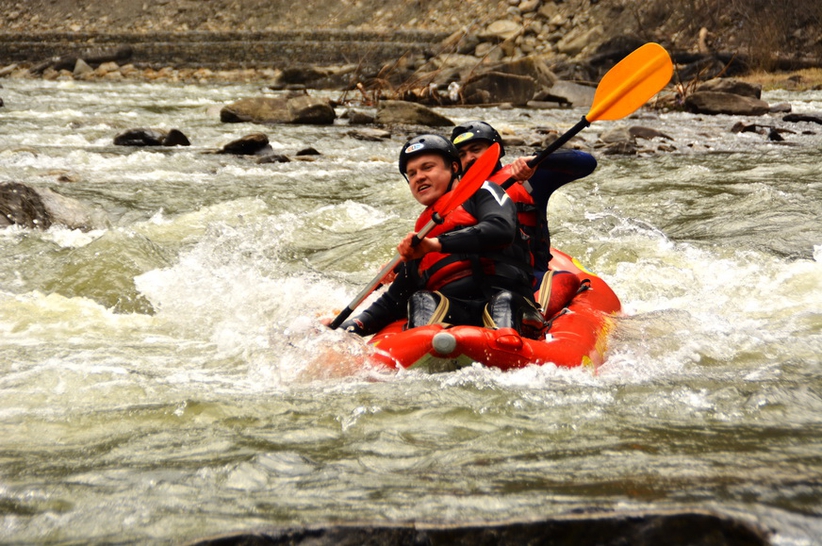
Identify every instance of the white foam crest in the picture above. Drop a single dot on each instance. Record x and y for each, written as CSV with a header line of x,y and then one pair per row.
x,y
350,216
233,288
65,237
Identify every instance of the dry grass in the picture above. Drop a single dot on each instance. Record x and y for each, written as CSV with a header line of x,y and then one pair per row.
x,y
799,80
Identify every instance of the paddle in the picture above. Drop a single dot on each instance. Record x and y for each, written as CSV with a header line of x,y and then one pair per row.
x,y
626,87
468,185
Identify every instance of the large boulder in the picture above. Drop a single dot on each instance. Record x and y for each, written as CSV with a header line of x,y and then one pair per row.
x,y
730,85
568,93
41,208
531,66
713,102
394,112
498,87
21,205
301,109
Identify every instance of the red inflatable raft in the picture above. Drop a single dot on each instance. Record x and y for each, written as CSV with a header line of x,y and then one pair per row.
x,y
580,312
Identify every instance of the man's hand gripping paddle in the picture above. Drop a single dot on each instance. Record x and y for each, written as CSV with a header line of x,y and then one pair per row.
x,y
626,87
467,186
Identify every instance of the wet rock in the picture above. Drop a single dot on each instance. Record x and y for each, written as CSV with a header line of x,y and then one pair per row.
x,y
302,109
617,141
274,158
40,208
372,135
795,118
742,127
391,112
70,212
781,108
310,151
151,137
713,102
22,206
669,528
252,144
647,133
355,117
733,86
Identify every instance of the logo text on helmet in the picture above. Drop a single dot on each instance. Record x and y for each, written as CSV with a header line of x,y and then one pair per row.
x,y
414,147
463,137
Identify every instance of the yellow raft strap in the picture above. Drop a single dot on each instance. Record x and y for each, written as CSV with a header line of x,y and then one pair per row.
x,y
545,290
441,311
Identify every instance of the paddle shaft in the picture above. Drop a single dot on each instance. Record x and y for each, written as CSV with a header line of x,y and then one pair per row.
x,y
551,148
377,281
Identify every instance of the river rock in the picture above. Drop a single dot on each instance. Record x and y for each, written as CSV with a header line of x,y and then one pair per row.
x,y
252,144
81,68
372,135
647,133
568,93
684,528
713,102
394,112
40,208
301,109
498,87
795,118
532,66
151,137
21,205
501,30
730,85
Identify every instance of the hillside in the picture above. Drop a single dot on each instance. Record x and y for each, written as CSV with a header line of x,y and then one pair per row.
x,y
771,34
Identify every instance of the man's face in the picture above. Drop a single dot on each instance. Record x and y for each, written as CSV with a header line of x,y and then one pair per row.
x,y
471,151
429,176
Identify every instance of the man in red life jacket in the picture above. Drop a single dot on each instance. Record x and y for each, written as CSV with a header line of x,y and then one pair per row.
x,y
535,186
472,269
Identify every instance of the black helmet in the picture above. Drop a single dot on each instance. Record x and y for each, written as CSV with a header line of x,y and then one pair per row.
x,y
476,130
428,144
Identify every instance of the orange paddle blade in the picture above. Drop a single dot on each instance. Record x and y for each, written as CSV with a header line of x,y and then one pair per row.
x,y
631,83
470,181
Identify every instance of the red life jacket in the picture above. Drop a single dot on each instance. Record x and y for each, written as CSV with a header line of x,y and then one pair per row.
x,y
526,207
437,269
527,217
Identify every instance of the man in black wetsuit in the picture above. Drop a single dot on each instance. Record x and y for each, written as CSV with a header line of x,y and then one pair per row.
x,y
534,187
471,269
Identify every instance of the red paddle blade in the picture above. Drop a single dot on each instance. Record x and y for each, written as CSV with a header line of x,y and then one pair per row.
x,y
470,181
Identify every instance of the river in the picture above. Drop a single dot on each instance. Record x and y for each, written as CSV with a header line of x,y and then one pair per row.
x,y
164,376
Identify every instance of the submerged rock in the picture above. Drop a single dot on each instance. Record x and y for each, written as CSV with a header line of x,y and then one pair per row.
x,y
151,137
670,528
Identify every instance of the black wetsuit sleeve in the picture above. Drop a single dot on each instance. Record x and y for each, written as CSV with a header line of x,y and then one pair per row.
x,y
390,306
496,225
558,169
